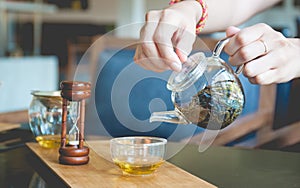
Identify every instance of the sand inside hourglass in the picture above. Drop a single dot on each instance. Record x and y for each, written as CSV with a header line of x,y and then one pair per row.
x,y
74,113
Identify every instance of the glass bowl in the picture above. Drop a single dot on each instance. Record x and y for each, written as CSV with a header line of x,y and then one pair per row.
x,y
138,155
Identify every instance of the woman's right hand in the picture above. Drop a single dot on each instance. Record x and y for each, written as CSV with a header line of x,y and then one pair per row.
x,y
167,36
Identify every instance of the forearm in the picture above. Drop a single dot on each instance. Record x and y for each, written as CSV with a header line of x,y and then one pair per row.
x,y
223,13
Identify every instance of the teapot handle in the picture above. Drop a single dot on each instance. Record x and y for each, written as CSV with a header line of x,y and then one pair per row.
x,y
218,49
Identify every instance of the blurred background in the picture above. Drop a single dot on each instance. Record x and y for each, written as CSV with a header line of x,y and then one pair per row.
x,y
42,41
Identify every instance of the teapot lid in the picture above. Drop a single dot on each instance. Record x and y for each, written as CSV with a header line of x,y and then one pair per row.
x,y
192,69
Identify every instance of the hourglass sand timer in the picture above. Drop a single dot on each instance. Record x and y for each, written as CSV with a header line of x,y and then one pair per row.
x,y
72,150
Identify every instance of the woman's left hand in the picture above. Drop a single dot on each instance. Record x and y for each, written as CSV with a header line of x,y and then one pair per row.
x,y
268,56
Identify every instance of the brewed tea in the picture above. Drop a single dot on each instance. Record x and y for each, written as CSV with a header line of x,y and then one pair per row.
x,y
139,167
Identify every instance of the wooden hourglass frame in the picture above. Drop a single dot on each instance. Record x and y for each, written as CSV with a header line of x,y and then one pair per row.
x,y
76,92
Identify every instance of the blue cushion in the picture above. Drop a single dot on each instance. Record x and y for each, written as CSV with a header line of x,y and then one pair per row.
x,y
283,104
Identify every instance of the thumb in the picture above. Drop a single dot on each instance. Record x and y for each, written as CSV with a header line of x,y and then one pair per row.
x,y
231,30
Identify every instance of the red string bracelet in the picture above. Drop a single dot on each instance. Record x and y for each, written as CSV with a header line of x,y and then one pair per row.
x,y
200,25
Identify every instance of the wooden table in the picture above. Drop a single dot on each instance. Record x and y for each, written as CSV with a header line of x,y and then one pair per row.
x,y
8,126
236,167
220,166
100,172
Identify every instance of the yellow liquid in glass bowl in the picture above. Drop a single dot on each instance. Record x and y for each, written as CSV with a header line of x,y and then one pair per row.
x,y
139,167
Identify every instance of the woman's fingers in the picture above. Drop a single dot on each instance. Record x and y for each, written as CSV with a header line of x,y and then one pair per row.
x,y
231,30
168,36
147,54
156,47
268,56
249,52
245,37
278,75
154,63
183,43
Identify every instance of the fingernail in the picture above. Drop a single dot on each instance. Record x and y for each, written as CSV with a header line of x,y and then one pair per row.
x,y
176,66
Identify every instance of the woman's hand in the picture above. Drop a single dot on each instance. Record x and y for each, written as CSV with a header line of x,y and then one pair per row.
x,y
168,36
268,56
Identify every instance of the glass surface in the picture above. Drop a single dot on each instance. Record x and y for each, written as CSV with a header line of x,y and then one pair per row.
x,y
74,113
45,118
216,96
138,155
192,69
207,92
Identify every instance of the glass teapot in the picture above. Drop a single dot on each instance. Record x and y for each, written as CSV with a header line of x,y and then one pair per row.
x,y
207,92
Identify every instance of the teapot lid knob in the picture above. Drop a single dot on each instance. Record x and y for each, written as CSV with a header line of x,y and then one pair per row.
x,y
191,71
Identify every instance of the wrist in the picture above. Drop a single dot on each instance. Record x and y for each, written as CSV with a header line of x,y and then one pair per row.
x,y
199,8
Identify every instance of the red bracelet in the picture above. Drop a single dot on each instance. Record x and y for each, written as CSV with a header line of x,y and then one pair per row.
x,y
200,25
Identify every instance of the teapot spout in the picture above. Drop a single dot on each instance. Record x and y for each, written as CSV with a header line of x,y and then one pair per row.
x,y
168,116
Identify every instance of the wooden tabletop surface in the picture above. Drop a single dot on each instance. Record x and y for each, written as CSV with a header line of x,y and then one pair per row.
x,y
102,172
225,167
8,126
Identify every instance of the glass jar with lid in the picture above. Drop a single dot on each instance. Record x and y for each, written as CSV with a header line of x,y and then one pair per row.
x,y
45,116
